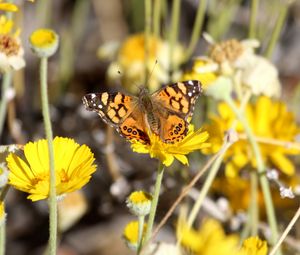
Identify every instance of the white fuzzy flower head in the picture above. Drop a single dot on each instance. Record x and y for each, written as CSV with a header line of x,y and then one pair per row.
x,y
3,175
11,53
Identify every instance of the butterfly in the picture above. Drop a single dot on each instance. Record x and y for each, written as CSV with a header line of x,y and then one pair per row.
x,y
165,113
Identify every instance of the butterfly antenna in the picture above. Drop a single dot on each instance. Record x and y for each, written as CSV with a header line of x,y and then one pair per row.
x,y
150,76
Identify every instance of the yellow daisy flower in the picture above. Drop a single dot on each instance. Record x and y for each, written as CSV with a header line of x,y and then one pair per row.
x,y
11,50
268,120
209,239
254,246
130,234
73,167
166,153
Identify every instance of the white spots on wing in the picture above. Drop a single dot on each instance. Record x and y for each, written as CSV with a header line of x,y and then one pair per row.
x,y
190,94
94,104
100,106
93,96
190,82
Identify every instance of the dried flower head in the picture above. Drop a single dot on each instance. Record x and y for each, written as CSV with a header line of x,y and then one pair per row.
x,y
11,50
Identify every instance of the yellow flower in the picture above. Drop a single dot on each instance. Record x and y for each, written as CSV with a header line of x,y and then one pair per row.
x,y
130,234
166,153
44,42
130,61
203,70
73,167
268,120
209,239
8,7
238,192
254,246
11,50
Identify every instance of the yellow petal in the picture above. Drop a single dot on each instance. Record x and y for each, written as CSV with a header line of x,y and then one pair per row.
x,y
283,163
8,7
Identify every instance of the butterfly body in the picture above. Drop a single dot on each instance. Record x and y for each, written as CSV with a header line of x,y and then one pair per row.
x,y
164,113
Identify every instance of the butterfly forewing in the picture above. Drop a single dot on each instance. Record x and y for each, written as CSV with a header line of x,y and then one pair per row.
x,y
120,111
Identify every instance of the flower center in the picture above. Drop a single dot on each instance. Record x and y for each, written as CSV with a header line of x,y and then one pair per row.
x,y
228,50
9,45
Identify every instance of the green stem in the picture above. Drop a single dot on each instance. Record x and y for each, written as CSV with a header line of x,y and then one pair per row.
x,y
6,81
2,237
277,30
173,33
253,204
159,177
49,136
261,169
140,234
148,11
211,176
196,29
156,18
253,17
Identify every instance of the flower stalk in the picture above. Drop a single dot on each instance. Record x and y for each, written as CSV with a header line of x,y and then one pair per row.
x,y
261,169
6,81
159,177
141,219
2,238
196,29
49,136
148,10
173,33
211,176
277,30
253,16
156,18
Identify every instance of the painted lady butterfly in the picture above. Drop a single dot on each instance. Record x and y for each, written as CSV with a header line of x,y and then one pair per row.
x,y
164,113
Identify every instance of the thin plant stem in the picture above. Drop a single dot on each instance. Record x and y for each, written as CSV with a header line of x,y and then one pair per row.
x,y
253,17
253,203
49,137
2,237
261,169
140,234
148,10
196,29
212,174
185,191
159,177
277,30
4,191
286,231
156,18
173,33
6,82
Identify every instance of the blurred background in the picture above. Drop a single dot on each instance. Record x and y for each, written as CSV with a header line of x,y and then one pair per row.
x,y
90,33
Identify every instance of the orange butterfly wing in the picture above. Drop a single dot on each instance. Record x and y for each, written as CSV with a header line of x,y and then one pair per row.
x,y
176,104
120,111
